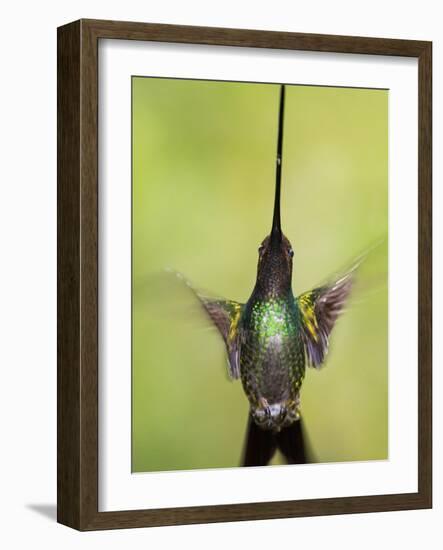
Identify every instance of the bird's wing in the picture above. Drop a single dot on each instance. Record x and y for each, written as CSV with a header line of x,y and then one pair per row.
x,y
320,309
225,315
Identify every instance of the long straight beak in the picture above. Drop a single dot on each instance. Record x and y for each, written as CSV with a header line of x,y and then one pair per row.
x,y
276,233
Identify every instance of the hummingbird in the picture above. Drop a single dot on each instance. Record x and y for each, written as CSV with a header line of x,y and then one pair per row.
x,y
274,336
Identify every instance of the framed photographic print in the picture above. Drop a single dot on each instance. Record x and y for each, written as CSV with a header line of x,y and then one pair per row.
x,y
244,274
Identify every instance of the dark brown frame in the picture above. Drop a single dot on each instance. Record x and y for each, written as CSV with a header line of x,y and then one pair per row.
x,y
77,456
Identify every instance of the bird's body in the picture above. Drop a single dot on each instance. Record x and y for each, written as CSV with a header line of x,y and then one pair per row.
x,y
272,360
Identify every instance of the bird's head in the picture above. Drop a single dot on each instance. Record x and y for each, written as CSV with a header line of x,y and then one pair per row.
x,y
275,254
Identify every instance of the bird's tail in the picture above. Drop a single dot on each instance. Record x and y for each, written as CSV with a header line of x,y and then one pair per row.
x,y
261,445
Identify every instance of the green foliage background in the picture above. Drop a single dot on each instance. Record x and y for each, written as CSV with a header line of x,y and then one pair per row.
x,y
203,185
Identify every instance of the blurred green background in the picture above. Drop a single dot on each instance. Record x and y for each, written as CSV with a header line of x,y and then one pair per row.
x,y
203,187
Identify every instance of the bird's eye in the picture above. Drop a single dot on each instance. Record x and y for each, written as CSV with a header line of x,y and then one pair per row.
x,y
291,252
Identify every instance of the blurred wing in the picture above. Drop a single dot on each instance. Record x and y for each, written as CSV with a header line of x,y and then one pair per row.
x,y
225,315
320,309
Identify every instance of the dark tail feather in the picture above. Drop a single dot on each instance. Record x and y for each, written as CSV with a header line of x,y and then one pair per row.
x,y
292,443
260,445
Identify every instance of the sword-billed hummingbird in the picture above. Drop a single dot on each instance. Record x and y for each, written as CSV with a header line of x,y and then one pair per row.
x,y
273,336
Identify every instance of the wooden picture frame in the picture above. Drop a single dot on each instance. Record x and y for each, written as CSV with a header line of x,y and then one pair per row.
x,y
77,174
